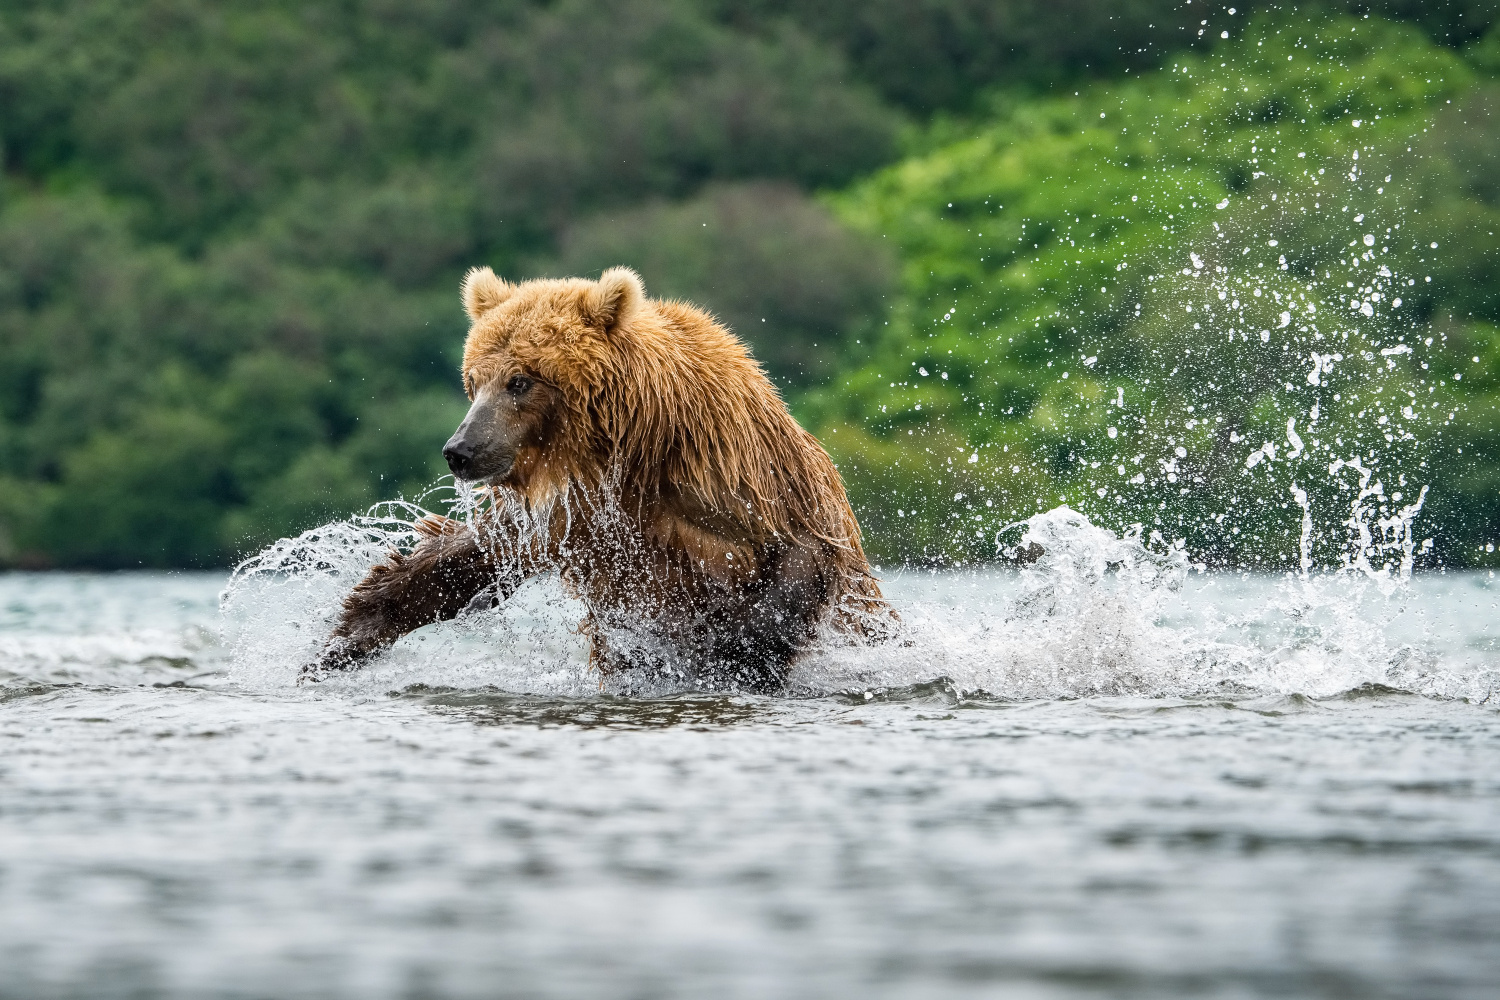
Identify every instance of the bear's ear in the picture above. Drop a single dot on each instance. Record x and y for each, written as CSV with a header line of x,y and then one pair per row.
x,y
618,294
483,291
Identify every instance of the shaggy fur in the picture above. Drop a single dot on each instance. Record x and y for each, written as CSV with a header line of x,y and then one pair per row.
x,y
662,477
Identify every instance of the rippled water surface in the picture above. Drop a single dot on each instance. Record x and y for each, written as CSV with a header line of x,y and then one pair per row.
x,y
1059,786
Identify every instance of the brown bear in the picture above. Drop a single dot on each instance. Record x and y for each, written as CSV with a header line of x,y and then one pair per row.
x,y
634,447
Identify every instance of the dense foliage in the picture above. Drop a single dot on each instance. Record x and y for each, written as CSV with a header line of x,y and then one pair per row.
x,y
930,55
231,233
1132,298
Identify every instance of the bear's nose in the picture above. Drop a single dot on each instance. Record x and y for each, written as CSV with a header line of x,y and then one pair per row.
x,y
459,455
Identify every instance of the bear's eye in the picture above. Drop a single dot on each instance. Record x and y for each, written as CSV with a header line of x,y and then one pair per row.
x,y
518,386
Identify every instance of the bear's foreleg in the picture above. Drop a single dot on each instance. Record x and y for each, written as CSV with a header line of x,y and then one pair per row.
x,y
448,569
757,635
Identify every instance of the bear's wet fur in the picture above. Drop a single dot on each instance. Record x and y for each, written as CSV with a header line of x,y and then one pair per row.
x,y
634,447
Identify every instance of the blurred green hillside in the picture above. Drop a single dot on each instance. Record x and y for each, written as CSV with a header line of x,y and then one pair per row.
x,y
231,233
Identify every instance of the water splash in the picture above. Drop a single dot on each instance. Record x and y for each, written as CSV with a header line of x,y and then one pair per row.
x,y
1098,614
1101,614
280,604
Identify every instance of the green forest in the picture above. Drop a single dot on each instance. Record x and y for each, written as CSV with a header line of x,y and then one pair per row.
x,y
964,237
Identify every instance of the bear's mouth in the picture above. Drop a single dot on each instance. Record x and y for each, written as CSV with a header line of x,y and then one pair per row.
x,y
498,477
489,469
495,471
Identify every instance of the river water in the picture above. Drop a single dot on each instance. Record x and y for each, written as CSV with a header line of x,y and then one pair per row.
x,y
1108,775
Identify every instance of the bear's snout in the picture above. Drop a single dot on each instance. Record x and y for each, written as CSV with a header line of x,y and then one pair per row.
x,y
484,446
467,460
459,455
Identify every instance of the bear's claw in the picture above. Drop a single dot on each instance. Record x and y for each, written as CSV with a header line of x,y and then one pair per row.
x,y
339,656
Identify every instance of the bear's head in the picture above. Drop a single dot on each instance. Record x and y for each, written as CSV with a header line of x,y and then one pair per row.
x,y
538,353
573,381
